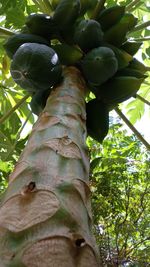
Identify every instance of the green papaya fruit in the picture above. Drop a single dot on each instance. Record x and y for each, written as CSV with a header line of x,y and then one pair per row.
x,y
68,55
122,56
38,101
131,72
99,65
66,13
88,34
85,6
16,40
97,119
130,20
131,47
116,35
35,67
42,24
118,89
137,65
110,16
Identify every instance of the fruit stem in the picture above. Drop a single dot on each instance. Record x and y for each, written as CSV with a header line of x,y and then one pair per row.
x,y
6,116
4,32
98,8
142,99
132,128
141,26
132,4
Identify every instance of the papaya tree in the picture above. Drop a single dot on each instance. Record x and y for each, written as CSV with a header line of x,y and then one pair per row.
x,y
75,61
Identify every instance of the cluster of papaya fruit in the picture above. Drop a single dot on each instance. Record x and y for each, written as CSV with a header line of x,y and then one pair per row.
x,y
85,35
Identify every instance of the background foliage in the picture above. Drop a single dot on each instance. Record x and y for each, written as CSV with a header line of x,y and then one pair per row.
x,y
119,168
121,199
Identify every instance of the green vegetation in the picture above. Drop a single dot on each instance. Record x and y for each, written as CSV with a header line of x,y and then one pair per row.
x,y
85,38
120,198
36,41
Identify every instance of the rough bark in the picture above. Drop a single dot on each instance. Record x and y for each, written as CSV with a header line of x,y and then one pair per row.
x,y
45,216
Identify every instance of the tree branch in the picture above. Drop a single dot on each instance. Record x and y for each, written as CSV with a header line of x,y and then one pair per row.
x,y
126,205
4,32
126,237
132,4
136,7
141,26
108,244
142,198
142,99
144,39
133,129
137,244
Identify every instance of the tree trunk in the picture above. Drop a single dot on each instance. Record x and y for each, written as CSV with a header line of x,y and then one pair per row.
x,y
45,216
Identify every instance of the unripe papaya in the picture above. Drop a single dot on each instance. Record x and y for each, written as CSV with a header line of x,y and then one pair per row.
x,y
116,35
87,6
66,13
88,34
38,101
110,16
41,24
137,65
97,119
131,72
13,42
35,67
131,47
122,56
119,89
99,65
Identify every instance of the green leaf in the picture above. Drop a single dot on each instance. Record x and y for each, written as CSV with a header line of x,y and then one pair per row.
x,y
94,163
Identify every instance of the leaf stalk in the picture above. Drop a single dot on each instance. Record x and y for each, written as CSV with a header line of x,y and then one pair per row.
x,y
132,128
10,112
